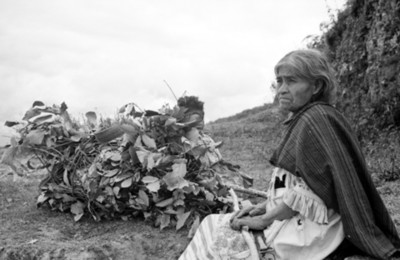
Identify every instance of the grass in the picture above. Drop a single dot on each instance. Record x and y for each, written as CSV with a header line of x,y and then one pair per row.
x,y
249,141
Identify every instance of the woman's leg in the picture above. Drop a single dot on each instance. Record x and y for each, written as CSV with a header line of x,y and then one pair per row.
x,y
199,247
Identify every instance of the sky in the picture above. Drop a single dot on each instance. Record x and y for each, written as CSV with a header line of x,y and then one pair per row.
x,y
98,55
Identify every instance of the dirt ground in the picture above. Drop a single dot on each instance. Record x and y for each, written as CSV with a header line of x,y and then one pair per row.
x,y
28,232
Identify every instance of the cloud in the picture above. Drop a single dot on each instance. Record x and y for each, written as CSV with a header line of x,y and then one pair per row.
x,y
101,54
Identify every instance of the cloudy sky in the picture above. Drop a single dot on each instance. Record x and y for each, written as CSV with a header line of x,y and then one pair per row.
x,y
100,54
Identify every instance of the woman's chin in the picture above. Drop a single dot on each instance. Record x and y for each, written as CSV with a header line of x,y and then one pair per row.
x,y
284,111
284,106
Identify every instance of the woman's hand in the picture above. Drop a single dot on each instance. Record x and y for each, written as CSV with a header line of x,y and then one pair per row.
x,y
243,212
260,222
258,210
252,210
254,223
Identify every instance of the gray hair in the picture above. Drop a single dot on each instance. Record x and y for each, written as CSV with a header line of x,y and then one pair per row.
x,y
313,66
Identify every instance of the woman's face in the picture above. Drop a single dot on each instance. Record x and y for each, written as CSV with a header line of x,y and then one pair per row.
x,y
293,92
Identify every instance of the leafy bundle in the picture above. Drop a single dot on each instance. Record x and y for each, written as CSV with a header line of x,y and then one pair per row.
x,y
147,163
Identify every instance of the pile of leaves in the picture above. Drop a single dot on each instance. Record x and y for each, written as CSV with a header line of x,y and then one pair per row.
x,y
139,164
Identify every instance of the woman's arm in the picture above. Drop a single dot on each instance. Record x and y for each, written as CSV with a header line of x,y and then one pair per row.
x,y
280,212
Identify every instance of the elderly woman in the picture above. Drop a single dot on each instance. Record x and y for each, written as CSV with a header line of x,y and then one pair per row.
x,y
322,203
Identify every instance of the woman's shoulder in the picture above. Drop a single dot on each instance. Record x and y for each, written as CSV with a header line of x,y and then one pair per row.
x,y
323,117
321,111
320,108
319,115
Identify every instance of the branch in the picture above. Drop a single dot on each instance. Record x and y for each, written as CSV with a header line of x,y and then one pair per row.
x,y
171,90
248,190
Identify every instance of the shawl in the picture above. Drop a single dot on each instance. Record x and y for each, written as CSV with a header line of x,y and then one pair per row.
x,y
320,146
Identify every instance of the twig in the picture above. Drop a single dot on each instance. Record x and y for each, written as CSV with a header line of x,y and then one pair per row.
x,y
245,230
171,90
235,200
248,190
49,151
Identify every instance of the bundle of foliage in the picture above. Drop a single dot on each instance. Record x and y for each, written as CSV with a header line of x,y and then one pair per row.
x,y
139,164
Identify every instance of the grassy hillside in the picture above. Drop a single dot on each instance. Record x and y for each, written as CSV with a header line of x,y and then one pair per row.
x,y
364,46
248,139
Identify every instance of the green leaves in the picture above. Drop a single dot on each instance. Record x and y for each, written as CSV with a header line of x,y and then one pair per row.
x,y
144,199
41,199
78,210
109,134
163,220
182,219
35,137
165,203
136,165
175,179
153,183
127,183
148,141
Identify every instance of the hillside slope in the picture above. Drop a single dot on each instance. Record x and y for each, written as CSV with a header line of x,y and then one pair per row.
x,y
249,138
364,45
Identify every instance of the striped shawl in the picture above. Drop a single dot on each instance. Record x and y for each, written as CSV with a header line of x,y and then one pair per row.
x,y
320,146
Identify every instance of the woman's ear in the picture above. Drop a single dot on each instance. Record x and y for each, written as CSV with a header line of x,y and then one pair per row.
x,y
318,87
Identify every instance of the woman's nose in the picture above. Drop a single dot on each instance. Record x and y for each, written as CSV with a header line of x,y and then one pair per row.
x,y
282,88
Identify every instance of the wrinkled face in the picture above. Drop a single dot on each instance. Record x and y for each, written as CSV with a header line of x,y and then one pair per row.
x,y
293,92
